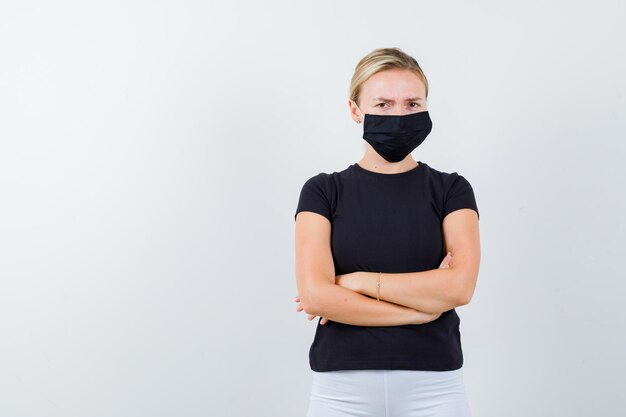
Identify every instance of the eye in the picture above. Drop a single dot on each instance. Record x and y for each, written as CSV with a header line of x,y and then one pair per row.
x,y
380,104
418,105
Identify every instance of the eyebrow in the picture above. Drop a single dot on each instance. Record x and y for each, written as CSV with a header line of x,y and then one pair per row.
x,y
408,99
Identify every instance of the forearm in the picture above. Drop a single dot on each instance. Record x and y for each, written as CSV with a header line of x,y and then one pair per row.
x,y
343,305
432,291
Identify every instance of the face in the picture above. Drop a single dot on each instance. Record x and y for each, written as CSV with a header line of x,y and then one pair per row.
x,y
391,92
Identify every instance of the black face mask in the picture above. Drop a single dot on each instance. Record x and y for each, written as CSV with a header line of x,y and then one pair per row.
x,y
394,137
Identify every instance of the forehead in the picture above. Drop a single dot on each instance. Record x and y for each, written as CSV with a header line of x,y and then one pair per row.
x,y
393,84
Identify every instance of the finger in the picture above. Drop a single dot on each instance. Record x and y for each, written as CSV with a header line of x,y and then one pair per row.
x,y
446,260
324,320
298,308
296,298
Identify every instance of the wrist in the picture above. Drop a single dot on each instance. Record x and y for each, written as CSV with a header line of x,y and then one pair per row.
x,y
359,283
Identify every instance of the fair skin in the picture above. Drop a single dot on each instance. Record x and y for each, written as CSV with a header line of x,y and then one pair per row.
x,y
405,298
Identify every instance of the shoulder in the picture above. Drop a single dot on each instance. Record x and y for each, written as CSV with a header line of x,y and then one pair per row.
x,y
319,194
321,183
325,180
454,189
447,180
319,179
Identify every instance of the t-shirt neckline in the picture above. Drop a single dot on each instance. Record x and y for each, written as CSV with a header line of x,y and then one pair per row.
x,y
412,171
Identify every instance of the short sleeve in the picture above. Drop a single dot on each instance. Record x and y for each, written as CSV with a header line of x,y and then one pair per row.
x,y
459,194
315,196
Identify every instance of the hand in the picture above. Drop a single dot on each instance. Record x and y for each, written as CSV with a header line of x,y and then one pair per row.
x,y
445,264
308,316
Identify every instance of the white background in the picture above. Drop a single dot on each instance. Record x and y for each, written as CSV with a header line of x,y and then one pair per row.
x,y
151,157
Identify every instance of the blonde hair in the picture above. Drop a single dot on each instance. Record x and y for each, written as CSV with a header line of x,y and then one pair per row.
x,y
382,59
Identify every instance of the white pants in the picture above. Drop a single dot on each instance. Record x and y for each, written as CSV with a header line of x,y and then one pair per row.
x,y
388,393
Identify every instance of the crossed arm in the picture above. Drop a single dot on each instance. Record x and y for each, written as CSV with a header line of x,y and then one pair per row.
x,y
408,298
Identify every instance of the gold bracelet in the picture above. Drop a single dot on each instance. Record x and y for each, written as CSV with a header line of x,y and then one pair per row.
x,y
378,286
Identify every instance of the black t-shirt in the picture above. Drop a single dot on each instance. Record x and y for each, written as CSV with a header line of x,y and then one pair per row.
x,y
390,223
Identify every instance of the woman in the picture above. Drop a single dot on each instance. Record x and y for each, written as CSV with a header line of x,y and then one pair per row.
x,y
385,251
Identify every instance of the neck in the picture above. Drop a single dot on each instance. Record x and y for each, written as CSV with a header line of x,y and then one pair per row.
x,y
376,163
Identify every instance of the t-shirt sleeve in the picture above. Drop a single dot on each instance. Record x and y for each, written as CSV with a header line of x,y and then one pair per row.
x,y
459,194
315,196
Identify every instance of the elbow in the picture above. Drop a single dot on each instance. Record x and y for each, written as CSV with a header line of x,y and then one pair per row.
x,y
465,295
464,299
